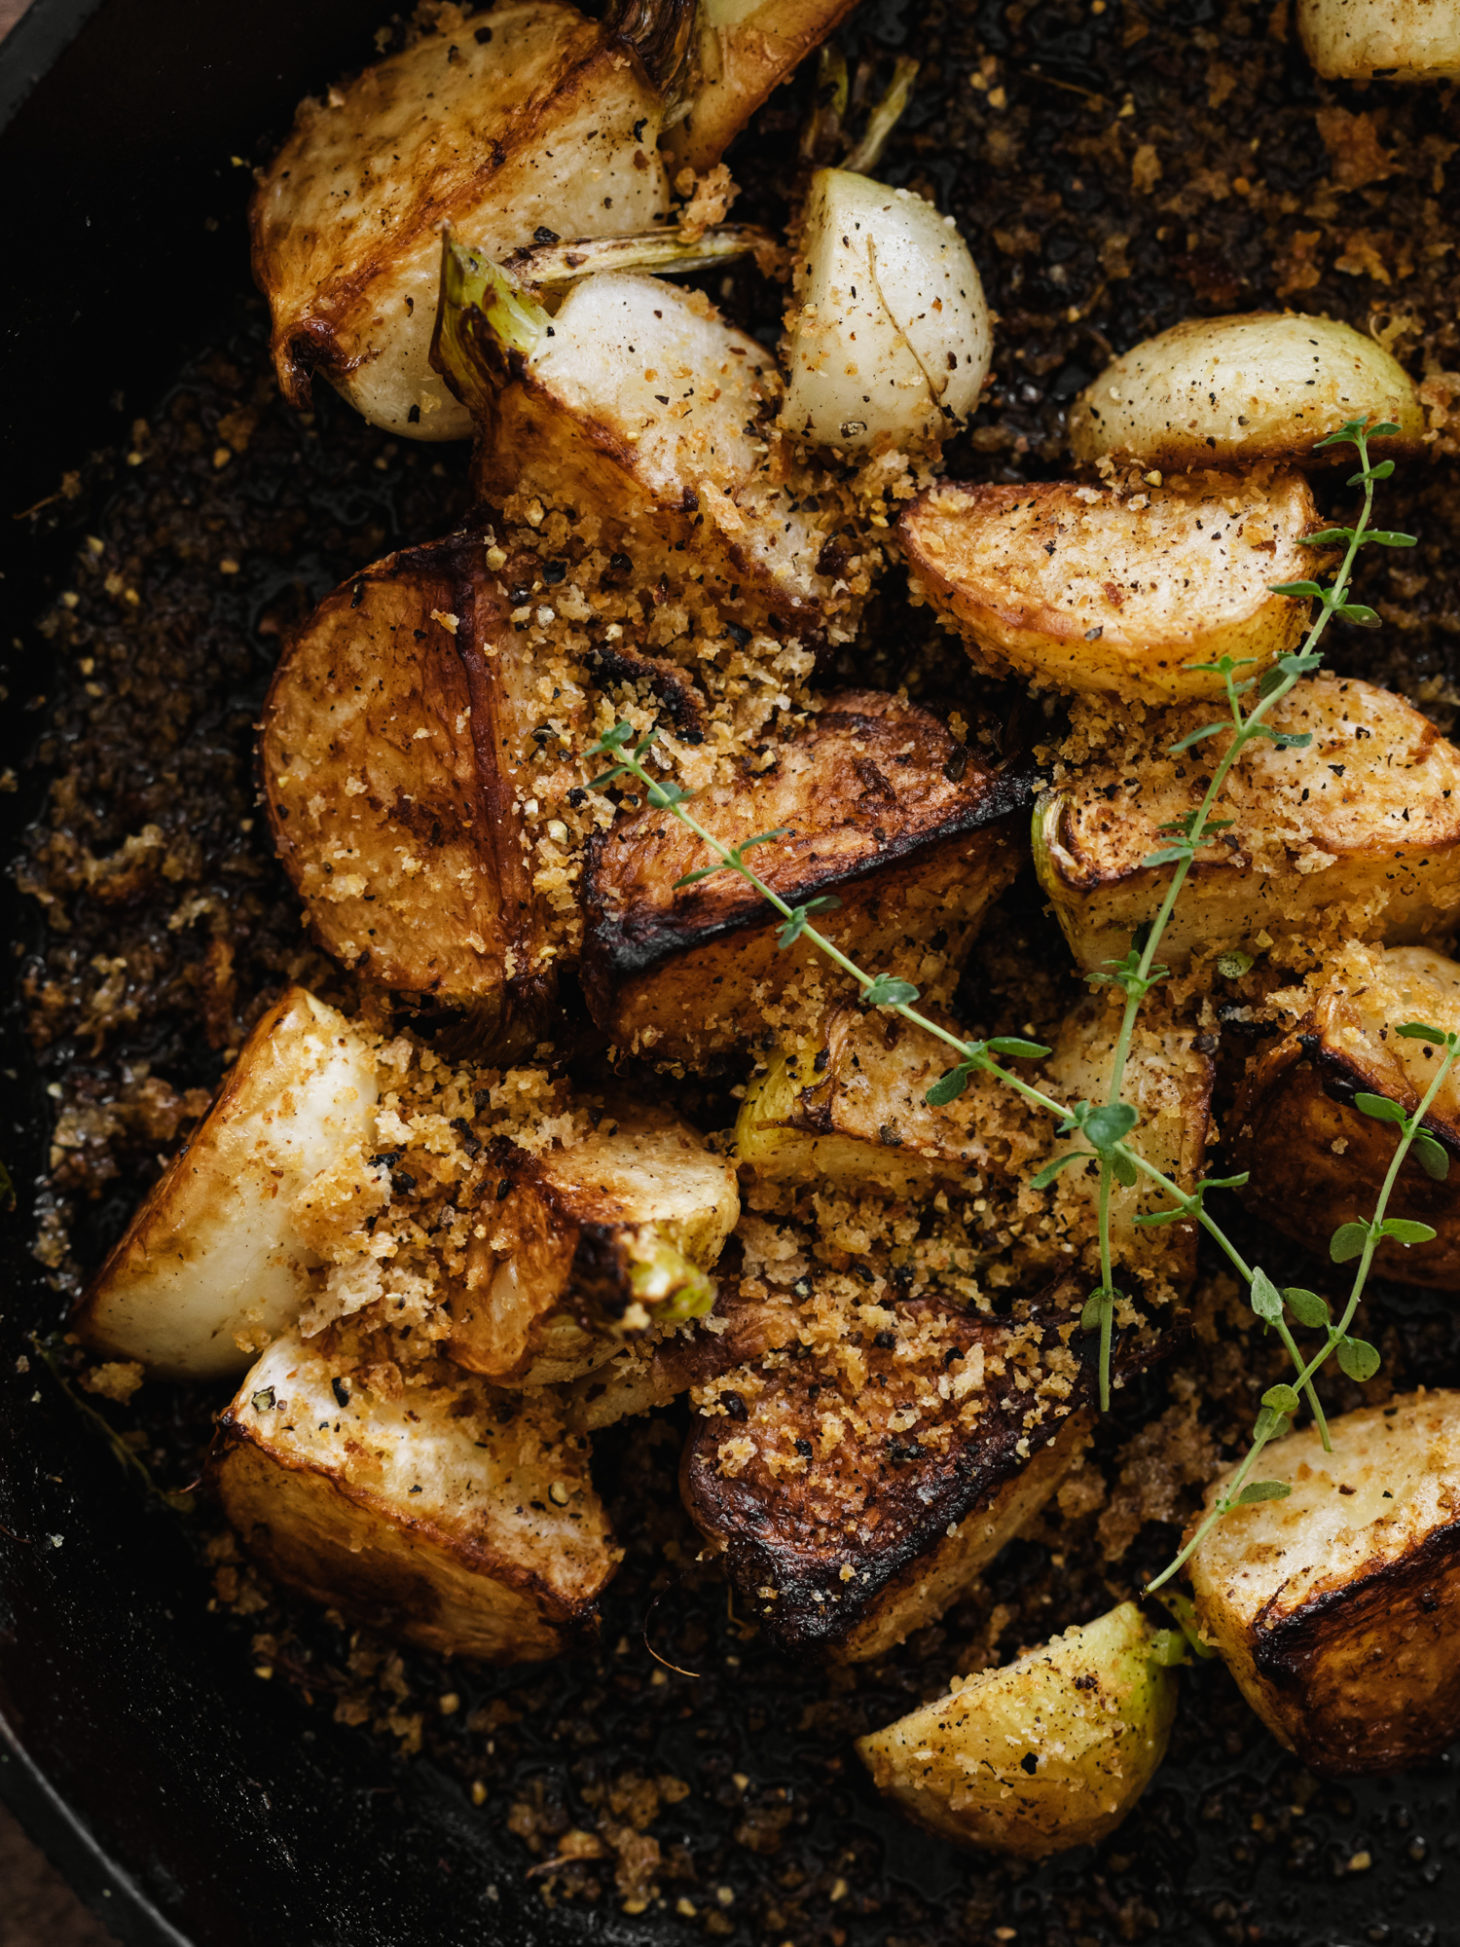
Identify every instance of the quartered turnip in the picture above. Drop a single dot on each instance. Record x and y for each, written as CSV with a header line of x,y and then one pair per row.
x,y
890,338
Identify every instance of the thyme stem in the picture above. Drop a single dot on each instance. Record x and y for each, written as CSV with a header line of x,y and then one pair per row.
x,y
1138,980
1275,1424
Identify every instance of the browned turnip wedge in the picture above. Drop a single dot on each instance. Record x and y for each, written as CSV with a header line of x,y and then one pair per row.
x,y
211,1268
1093,588
1354,836
1382,40
1314,1160
637,405
1225,391
608,1236
504,124
1337,1607
1049,1752
395,736
415,1498
880,808
741,50
858,1489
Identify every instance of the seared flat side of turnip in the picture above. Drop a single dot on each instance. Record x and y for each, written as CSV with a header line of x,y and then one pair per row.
x,y
420,1501
889,339
1048,1752
1260,387
858,1489
880,808
742,49
586,1243
394,738
1357,835
1388,40
1314,1160
211,1268
1090,588
1337,1608
526,118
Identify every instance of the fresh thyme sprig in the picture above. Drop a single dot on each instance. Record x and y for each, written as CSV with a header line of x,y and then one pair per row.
x,y
1103,1127
1106,1126
1140,971
1356,1358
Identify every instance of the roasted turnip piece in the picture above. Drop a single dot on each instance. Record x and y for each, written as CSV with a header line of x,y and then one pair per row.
x,y
638,406
1337,1608
1214,391
607,1236
1086,588
1051,1751
211,1267
395,737
846,1106
654,1367
889,341
1356,835
882,809
1317,1162
857,1490
742,49
511,122
1388,40
1168,1081
847,1109
420,1501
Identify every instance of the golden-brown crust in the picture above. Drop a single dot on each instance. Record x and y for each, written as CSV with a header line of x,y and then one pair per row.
x,y
576,1237
1354,835
737,67
397,1590
1367,1672
1091,589
650,1373
462,1519
834,1518
390,747
887,813
466,152
533,441
1337,1606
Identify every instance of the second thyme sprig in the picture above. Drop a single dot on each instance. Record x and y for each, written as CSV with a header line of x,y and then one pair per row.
x,y
1357,1359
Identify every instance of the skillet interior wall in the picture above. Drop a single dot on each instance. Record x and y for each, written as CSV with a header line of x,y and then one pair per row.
x,y
1102,165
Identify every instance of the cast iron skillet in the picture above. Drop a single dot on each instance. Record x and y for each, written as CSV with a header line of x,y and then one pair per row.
x,y
183,1801
186,1801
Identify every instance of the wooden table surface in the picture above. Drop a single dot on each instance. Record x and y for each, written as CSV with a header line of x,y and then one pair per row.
x,y
37,1908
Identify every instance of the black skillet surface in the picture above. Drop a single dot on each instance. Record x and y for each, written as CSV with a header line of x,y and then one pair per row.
x,y
189,1799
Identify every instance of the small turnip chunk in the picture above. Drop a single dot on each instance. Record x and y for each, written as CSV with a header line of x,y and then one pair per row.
x,y
211,1267
890,339
1049,1752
